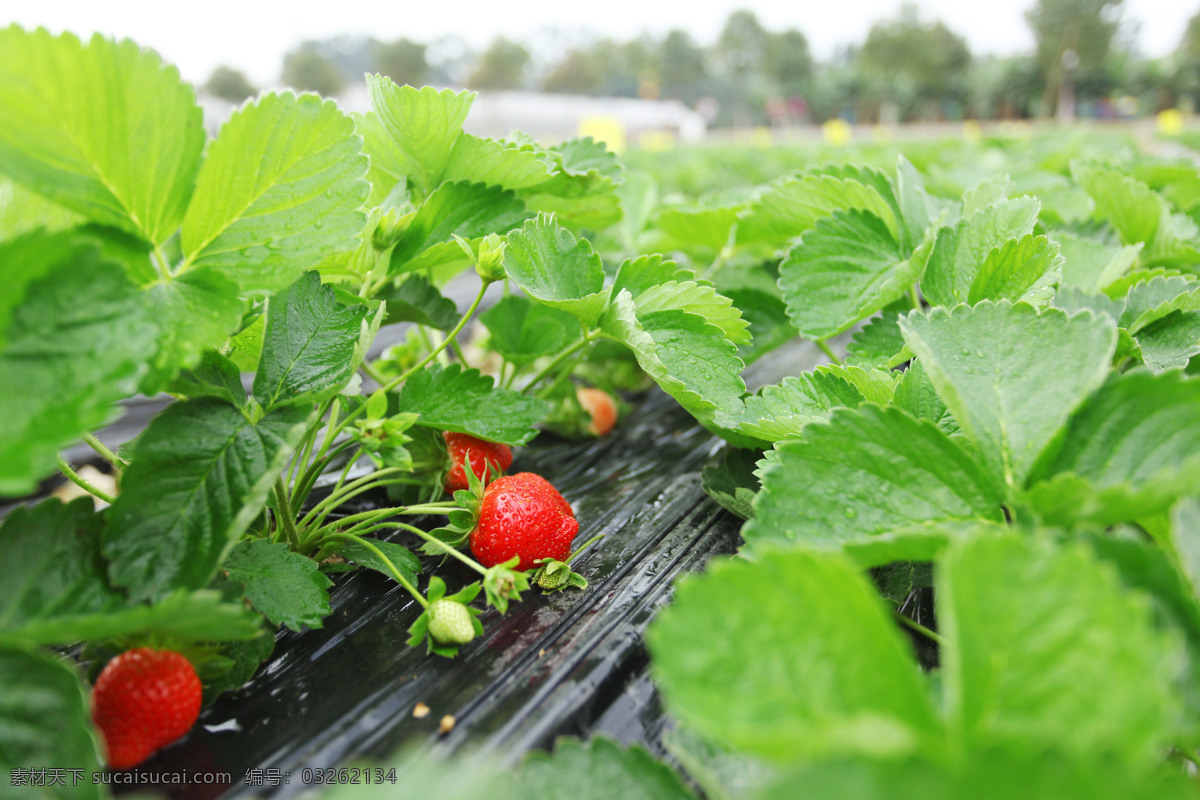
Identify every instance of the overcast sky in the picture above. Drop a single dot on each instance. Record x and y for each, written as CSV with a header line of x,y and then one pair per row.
x,y
253,36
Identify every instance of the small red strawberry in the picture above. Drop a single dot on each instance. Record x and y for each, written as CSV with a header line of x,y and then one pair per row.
x,y
484,456
144,699
522,515
601,407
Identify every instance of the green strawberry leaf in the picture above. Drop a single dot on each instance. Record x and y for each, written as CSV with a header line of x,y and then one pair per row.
x,y
837,678
643,273
704,228
1154,299
794,205
990,190
464,209
414,132
494,163
1073,300
878,344
550,265
732,482
285,587
1137,437
309,345
53,567
1133,209
994,775
584,157
401,557
103,128
63,363
417,300
199,616
598,770
782,411
214,376
523,331
465,401
699,299
22,211
767,320
1091,265
279,190
687,356
918,210
1010,375
1020,670
1171,342
842,271
59,591
864,473
916,394
195,311
959,253
1025,269
199,475
45,724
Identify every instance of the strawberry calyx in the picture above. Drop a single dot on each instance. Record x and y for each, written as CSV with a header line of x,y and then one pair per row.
x,y
554,575
502,583
447,621
461,521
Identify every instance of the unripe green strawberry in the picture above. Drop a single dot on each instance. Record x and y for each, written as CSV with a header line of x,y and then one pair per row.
x,y
450,622
144,699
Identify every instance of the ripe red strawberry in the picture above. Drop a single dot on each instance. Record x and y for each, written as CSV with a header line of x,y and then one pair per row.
x,y
601,407
483,455
144,699
522,515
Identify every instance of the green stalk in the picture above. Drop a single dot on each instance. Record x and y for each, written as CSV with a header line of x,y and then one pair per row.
x,y
457,329
286,519
387,562
408,373
915,297
342,493
112,458
82,483
558,359
451,551
827,351
921,629
319,530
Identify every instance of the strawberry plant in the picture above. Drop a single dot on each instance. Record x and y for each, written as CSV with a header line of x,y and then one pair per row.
x,y
1008,417
277,250
1001,429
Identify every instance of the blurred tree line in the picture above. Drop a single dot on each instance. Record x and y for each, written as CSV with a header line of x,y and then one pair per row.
x,y
907,69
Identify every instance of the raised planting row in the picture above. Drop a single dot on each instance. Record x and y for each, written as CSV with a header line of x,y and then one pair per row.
x,y
1014,424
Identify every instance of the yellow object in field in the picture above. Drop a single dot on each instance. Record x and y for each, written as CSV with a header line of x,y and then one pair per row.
x,y
837,132
657,141
1170,122
604,129
972,130
761,137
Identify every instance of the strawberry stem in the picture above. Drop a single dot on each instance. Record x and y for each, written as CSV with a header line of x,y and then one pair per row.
x,y
828,352
112,458
921,629
81,482
553,365
451,551
287,520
